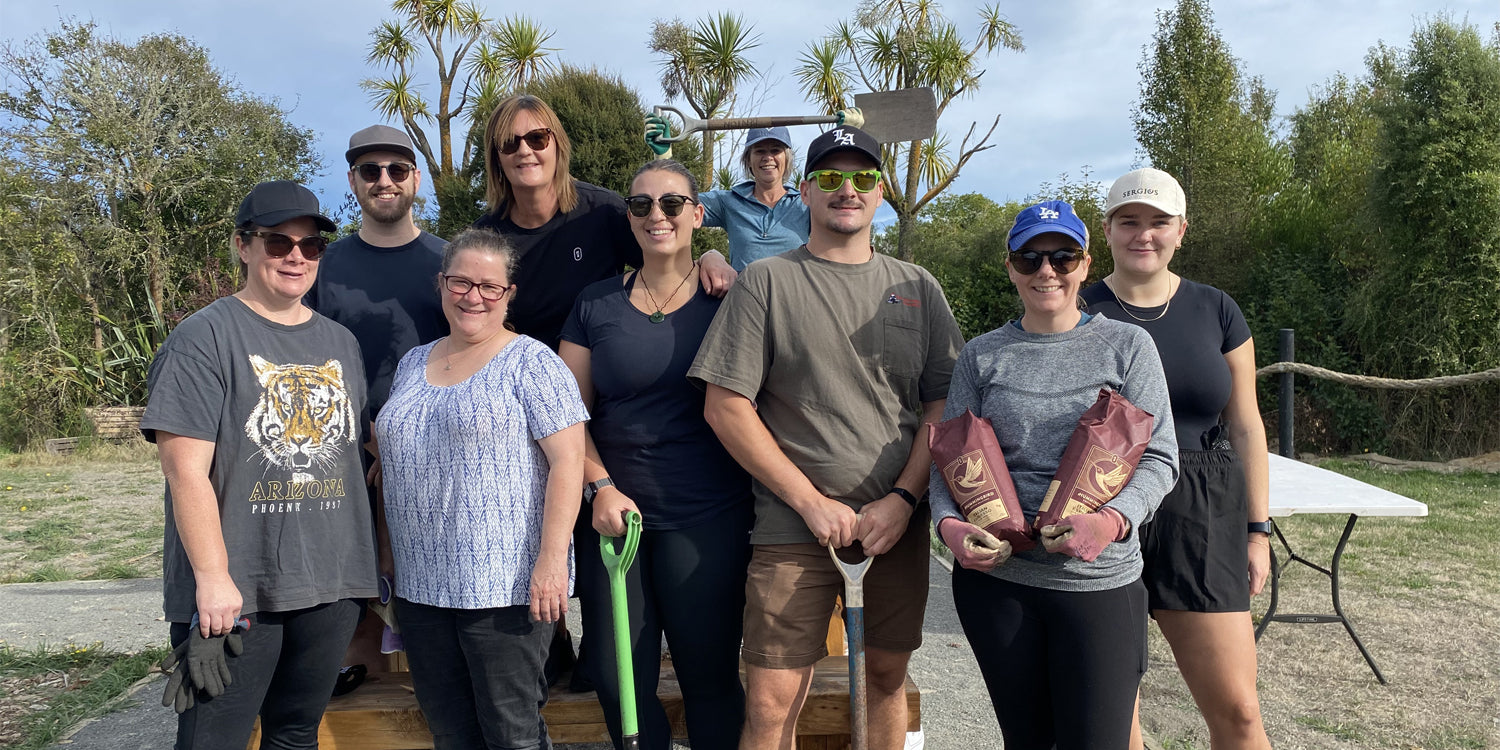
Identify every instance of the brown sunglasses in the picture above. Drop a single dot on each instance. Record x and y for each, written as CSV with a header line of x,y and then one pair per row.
x,y
536,140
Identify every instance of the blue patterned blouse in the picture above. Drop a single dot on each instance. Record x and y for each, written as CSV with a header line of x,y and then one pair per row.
x,y
465,478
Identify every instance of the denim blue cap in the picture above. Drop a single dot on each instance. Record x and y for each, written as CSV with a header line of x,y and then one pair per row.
x,y
756,135
1044,217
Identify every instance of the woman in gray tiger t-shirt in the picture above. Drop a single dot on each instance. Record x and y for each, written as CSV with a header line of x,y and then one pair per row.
x,y
257,406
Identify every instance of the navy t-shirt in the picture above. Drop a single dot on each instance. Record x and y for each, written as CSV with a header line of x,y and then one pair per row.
x,y
558,259
647,420
387,297
1200,326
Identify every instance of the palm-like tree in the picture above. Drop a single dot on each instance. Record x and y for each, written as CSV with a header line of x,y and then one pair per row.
x,y
897,44
705,65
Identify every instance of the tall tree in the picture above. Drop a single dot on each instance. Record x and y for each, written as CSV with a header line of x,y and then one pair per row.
x,y
705,65
900,44
1203,121
477,63
1429,307
123,166
146,145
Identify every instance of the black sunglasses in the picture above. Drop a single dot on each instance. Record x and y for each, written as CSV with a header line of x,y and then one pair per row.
x,y
370,171
1063,261
279,245
536,140
671,204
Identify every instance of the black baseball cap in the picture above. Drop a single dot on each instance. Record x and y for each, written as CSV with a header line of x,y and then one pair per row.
x,y
380,138
843,138
272,203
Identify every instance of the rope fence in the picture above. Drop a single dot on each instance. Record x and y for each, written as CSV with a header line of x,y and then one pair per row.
x,y
1369,381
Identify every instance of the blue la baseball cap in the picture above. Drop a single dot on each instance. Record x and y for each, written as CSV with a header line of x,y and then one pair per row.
x,y
1044,217
756,135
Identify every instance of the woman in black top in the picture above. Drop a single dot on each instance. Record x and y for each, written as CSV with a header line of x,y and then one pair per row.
x,y
567,233
630,341
1207,550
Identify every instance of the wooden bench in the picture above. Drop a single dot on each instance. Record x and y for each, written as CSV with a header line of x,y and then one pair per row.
x,y
383,714
116,423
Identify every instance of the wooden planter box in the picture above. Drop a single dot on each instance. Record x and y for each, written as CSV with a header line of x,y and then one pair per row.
x,y
116,423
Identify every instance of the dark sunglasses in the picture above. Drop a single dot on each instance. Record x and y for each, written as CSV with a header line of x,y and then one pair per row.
x,y
830,180
671,204
461,286
279,245
1063,261
536,140
370,171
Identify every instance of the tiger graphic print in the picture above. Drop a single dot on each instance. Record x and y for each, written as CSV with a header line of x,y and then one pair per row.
x,y
303,417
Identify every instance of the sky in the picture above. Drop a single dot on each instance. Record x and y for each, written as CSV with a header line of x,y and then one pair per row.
x,y
1064,102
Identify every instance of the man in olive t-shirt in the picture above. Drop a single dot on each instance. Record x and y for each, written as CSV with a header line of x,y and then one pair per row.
x,y
821,369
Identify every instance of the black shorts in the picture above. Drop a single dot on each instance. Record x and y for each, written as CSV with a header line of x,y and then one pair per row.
x,y
1195,547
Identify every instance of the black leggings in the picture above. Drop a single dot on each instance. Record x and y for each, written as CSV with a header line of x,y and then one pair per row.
x,y
690,584
1062,667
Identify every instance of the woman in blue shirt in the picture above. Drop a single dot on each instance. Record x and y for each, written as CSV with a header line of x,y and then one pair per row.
x,y
764,215
629,343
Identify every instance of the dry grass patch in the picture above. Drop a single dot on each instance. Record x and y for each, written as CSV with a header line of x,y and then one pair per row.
x,y
96,514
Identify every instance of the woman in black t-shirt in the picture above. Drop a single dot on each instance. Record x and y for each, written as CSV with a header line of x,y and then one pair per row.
x,y
1207,550
630,341
567,233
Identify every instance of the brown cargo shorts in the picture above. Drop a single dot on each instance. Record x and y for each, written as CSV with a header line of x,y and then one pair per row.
x,y
790,592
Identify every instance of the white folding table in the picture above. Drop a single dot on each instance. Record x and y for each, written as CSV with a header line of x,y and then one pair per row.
x,y
1298,488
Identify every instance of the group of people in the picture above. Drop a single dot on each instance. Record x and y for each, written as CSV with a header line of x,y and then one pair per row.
x,y
467,418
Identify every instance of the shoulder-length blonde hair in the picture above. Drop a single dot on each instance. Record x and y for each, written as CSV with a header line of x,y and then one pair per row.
x,y
497,190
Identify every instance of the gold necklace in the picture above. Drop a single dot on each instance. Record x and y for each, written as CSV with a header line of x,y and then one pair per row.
x,y
1162,314
659,316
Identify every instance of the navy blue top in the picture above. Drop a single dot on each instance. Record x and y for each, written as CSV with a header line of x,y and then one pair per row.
x,y
387,297
1200,326
647,420
556,260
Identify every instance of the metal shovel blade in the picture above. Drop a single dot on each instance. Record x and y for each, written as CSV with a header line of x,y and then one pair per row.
x,y
898,116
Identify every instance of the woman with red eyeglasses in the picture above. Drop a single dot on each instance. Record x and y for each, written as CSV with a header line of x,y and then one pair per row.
x,y
1208,549
629,342
1059,631
257,407
481,446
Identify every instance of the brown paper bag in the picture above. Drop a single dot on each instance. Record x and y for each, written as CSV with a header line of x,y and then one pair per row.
x,y
968,456
1100,458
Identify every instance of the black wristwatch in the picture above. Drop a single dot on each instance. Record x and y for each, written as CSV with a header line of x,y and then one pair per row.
x,y
1259,527
904,494
591,489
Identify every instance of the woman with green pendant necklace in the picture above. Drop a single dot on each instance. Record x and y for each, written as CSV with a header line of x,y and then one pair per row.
x,y
629,342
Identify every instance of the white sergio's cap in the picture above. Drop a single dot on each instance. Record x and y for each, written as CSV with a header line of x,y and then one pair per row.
x,y
1152,187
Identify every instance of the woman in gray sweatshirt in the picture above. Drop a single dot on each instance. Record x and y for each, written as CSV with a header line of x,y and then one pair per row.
x,y
1059,631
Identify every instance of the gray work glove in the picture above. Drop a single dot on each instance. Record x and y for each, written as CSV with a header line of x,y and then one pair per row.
x,y
207,667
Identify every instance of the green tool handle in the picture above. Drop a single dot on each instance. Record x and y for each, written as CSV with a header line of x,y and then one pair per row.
x,y
617,563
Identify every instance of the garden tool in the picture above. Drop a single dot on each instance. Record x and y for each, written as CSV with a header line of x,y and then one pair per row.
x,y
617,563
854,633
888,116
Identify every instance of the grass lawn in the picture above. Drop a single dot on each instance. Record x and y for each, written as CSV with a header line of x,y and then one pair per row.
x,y
48,691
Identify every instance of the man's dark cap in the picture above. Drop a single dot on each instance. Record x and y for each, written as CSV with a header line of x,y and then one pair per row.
x,y
843,138
380,138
